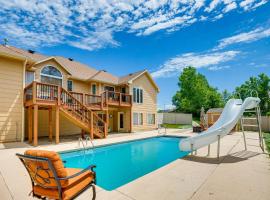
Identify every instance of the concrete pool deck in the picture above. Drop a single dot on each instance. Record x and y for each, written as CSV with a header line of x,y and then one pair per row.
x,y
237,175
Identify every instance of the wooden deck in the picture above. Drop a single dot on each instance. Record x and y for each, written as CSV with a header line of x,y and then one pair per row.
x,y
77,107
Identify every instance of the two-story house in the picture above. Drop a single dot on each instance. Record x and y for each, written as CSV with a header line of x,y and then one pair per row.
x,y
55,96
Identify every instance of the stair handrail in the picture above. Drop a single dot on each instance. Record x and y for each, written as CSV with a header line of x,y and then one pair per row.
x,y
85,108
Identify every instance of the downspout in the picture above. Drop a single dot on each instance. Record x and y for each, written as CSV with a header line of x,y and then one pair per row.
x,y
23,114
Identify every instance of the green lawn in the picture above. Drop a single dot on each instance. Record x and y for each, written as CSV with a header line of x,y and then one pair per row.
x,y
267,141
176,125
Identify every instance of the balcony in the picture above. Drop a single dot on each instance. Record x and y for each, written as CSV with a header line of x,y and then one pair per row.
x,y
48,94
108,98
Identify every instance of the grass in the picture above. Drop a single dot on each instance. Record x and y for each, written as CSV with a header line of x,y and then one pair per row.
x,y
267,141
196,119
180,126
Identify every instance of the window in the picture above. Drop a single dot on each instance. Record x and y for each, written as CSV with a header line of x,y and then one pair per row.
x,y
69,85
137,118
109,88
29,77
150,118
137,95
52,75
94,89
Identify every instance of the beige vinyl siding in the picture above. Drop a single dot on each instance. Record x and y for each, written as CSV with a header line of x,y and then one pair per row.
x,y
11,99
149,104
80,86
114,120
66,126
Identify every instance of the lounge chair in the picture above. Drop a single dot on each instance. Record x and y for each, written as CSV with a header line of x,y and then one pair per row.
x,y
51,180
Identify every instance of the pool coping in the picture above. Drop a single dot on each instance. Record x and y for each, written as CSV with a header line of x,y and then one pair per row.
x,y
115,143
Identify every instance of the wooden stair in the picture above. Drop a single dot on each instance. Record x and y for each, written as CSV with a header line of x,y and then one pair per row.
x,y
81,115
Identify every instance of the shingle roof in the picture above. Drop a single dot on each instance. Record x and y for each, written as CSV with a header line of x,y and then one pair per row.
x,y
76,69
127,78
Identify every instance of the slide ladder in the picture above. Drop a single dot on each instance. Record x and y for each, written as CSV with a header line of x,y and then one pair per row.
x,y
254,116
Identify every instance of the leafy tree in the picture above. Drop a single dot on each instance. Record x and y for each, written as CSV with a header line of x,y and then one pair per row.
x,y
226,95
195,92
261,85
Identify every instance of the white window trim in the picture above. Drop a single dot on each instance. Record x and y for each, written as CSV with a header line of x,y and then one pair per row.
x,y
137,124
136,95
119,129
108,86
91,89
56,77
148,118
71,85
26,75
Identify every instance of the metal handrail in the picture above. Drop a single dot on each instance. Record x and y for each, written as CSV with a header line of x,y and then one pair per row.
x,y
252,91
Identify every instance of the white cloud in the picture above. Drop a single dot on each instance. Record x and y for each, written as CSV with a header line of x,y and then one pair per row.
x,y
202,60
251,4
246,37
230,7
92,24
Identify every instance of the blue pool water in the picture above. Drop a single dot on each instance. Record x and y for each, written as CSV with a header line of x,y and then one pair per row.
x,y
119,164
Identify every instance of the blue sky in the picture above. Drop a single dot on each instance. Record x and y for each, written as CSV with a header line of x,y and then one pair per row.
x,y
228,41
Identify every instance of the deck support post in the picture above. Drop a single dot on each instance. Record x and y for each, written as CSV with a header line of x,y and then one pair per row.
x,y
57,124
50,125
30,124
218,147
35,127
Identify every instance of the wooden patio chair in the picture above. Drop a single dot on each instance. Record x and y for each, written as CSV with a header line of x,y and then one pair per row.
x,y
51,180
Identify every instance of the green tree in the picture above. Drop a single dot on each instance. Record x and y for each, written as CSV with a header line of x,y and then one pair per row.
x,y
226,95
195,92
260,85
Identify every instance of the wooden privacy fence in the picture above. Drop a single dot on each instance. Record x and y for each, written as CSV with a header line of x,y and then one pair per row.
x,y
265,123
174,118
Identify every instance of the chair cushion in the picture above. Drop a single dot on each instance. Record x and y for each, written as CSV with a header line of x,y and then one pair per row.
x,y
74,186
53,157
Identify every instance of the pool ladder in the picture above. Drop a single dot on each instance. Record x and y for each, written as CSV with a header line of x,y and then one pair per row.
x,y
84,142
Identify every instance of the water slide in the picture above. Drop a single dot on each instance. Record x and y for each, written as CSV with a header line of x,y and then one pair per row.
x,y
232,112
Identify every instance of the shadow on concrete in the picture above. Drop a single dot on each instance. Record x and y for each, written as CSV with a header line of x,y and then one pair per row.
x,y
231,158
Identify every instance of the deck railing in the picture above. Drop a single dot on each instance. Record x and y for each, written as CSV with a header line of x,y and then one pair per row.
x,y
78,96
93,100
43,92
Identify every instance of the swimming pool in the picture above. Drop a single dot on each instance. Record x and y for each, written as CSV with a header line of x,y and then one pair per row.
x,y
118,164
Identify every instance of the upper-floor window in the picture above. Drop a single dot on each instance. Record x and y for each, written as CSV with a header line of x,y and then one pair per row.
x,y
109,88
29,77
52,75
137,95
69,85
94,89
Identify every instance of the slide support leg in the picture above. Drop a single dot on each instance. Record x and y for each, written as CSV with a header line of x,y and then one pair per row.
x,y
192,149
208,153
218,147
245,142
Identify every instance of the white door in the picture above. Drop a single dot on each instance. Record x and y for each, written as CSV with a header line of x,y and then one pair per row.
x,y
121,121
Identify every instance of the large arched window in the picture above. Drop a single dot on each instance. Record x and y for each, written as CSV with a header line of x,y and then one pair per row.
x,y
52,75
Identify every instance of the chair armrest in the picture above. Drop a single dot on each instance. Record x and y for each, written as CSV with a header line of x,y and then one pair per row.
x,y
89,168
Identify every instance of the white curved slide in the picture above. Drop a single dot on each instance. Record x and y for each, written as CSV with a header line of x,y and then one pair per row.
x,y
232,112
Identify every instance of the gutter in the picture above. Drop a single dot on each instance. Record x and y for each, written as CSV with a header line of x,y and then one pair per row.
x,y
23,114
